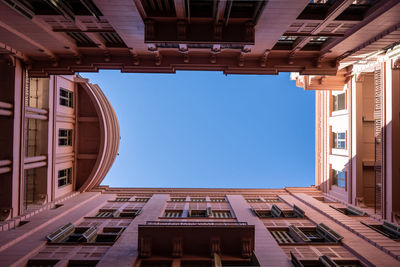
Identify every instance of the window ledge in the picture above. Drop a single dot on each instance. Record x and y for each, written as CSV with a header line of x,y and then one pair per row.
x,y
339,113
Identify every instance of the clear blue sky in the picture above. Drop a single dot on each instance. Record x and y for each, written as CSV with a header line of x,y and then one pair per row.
x,y
205,129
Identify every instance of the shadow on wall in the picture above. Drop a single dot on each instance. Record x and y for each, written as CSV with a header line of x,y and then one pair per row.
x,y
371,180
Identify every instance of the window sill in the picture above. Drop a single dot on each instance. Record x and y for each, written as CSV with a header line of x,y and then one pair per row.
x,y
339,113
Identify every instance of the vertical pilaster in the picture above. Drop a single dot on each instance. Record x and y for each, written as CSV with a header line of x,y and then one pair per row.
x,y
392,133
125,251
18,141
266,249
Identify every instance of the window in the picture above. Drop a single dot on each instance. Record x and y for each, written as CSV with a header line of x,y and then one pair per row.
x,y
278,213
339,178
64,177
221,214
198,213
282,236
323,260
272,200
387,229
349,210
339,140
292,234
252,200
178,199
66,97
263,213
339,102
107,213
70,233
141,199
122,199
173,213
287,39
130,213
217,199
197,199
64,137
109,234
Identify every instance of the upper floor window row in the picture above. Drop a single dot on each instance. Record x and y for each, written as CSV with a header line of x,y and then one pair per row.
x,y
65,137
183,199
66,98
339,102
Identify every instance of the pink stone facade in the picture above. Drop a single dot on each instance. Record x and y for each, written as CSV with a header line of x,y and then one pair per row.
x,y
122,236
59,135
356,134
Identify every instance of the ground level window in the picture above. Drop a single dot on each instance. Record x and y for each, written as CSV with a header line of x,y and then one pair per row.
x,y
64,177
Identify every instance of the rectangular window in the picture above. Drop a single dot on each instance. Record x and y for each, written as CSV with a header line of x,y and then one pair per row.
x,y
66,97
122,199
197,199
217,199
108,213
173,213
339,102
221,214
64,177
339,140
252,200
177,199
271,200
387,229
104,214
141,199
339,178
282,236
64,137
198,213
263,213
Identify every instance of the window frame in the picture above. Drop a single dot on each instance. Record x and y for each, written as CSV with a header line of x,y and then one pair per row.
x,y
68,99
339,143
67,177
173,214
337,105
337,180
223,213
67,138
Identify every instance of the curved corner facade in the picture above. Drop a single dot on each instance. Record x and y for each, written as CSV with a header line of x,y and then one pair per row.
x,y
108,138
59,136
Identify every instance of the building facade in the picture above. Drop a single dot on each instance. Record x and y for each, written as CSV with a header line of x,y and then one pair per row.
x,y
59,134
199,227
357,126
236,37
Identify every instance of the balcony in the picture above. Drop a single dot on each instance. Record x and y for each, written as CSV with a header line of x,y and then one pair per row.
x,y
196,238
